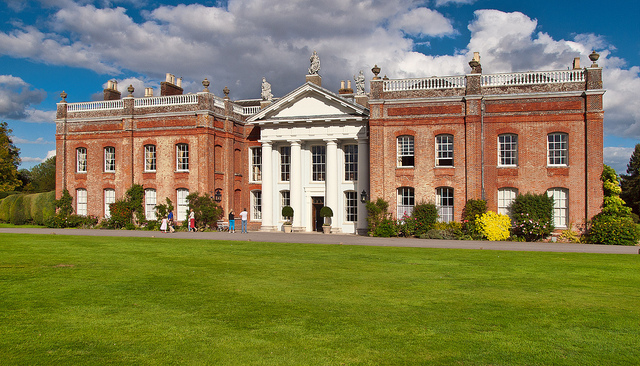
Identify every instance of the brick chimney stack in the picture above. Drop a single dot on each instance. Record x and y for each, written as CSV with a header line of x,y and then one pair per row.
x,y
111,92
171,86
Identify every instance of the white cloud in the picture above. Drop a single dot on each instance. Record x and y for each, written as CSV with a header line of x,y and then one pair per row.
x,y
423,22
16,95
28,159
38,141
618,158
39,116
50,153
457,2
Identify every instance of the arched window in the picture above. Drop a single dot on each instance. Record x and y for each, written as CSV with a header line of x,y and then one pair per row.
x,y
109,198
182,157
256,205
405,151
110,159
508,149
150,158
182,205
444,150
444,203
406,202
558,148
560,206
150,204
506,196
81,202
81,160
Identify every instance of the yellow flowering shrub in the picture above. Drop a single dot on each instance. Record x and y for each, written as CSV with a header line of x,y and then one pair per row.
x,y
494,226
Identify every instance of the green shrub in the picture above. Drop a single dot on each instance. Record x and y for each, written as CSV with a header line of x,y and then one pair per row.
x,y
377,215
451,230
433,234
532,216
425,216
28,201
17,211
494,226
45,207
206,211
5,208
386,229
64,205
473,209
287,213
613,230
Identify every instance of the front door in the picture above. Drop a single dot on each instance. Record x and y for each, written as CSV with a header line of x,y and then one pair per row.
x,y
316,218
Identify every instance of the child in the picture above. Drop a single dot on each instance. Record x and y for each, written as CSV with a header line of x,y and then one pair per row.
x,y
163,226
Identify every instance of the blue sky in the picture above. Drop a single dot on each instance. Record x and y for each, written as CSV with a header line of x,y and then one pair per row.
x,y
48,46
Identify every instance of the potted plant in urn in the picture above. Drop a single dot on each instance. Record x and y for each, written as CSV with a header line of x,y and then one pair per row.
x,y
287,213
327,213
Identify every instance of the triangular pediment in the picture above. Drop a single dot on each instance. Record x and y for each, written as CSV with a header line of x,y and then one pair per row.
x,y
309,102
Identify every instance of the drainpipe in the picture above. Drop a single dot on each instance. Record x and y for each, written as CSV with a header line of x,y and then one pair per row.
x,y
482,147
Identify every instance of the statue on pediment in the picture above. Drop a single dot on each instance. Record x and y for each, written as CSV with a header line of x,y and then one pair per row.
x,y
266,90
315,63
359,83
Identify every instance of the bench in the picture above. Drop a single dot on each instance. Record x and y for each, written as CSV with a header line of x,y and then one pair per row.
x,y
222,225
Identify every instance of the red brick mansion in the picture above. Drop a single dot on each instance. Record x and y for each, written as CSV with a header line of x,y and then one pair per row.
x,y
436,139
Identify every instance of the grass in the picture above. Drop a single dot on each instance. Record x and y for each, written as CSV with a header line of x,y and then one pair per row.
x,y
153,301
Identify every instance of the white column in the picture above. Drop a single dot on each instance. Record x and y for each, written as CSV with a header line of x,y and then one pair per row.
x,y
267,187
295,185
363,184
331,183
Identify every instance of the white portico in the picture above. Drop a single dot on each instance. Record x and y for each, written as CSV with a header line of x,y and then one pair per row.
x,y
315,152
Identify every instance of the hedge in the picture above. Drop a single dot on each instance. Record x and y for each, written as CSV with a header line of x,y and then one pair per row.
x,y
20,208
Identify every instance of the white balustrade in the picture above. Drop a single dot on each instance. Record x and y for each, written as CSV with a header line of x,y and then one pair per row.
x,y
218,102
445,82
237,109
166,100
534,78
94,106
247,111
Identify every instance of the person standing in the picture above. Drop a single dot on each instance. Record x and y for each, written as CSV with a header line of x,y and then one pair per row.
x,y
170,221
163,226
232,222
192,221
243,216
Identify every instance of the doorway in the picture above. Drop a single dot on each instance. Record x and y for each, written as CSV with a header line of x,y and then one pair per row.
x,y
316,218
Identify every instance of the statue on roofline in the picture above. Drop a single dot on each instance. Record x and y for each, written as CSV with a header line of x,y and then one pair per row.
x,y
359,83
315,63
266,90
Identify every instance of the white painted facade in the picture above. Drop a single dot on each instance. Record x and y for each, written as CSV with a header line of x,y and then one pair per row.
x,y
312,119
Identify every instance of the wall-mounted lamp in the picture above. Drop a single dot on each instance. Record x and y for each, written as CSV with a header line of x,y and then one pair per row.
x,y
363,196
218,196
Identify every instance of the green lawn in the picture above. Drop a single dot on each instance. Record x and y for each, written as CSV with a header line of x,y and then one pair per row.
x,y
68,300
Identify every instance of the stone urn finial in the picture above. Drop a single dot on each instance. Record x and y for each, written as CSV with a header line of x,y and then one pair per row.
x,y
130,89
206,84
594,57
63,95
226,92
375,70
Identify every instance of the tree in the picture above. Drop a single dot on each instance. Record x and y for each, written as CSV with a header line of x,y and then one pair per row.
x,y
9,160
207,211
42,177
630,182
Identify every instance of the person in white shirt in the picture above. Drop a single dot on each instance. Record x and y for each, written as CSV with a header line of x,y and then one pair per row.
x,y
243,216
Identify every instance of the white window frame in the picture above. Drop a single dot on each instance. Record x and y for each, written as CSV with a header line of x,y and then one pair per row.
x,y
558,149
285,200
350,162
182,157
109,198
560,206
150,158
81,202
405,151
256,164
444,150
182,204
150,204
81,160
109,159
351,206
506,196
406,201
445,203
256,205
318,163
285,163
508,149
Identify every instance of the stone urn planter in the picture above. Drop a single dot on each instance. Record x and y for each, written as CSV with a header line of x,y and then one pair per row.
x,y
287,213
287,228
327,213
326,229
